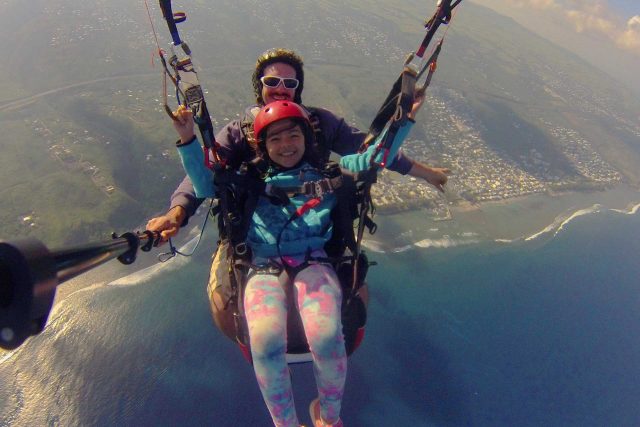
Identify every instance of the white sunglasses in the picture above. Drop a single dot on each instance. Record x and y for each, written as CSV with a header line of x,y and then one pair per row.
x,y
273,81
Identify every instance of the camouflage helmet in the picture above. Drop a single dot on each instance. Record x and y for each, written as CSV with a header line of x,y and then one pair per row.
x,y
272,56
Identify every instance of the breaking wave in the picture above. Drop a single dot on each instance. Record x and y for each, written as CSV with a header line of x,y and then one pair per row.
x,y
425,238
373,246
448,242
561,221
556,226
632,210
445,241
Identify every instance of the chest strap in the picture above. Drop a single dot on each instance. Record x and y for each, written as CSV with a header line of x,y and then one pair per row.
x,y
314,189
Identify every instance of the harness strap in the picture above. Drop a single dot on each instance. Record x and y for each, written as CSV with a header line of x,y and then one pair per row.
x,y
321,144
293,271
393,113
371,226
315,189
185,79
271,268
441,16
398,102
246,125
431,65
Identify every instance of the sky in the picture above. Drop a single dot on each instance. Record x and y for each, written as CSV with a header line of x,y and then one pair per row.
x,y
615,20
606,33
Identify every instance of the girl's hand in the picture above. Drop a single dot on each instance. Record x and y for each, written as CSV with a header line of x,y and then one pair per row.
x,y
183,123
418,100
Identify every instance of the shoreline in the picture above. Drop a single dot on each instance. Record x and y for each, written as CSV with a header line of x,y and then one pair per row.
x,y
525,215
506,219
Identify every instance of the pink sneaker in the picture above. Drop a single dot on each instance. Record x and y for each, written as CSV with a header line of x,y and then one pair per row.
x,y
314,412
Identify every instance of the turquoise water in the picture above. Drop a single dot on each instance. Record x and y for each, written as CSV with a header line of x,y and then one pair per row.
x,y
463,330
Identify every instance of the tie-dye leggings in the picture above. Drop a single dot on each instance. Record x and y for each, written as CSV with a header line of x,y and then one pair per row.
x,y
318,295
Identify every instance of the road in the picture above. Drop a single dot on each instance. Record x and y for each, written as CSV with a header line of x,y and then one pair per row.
x,y
19,103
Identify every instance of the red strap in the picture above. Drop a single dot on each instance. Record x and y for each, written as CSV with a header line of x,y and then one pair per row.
x,y
384,158
310,204
207,159
211,158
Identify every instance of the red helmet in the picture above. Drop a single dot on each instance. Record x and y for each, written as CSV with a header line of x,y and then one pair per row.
x,y
278,110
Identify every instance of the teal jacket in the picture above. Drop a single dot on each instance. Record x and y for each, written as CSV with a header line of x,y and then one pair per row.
x,y
308,232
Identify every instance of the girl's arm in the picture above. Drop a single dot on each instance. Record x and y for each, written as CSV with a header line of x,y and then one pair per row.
x,y
192,158
191,154
361,161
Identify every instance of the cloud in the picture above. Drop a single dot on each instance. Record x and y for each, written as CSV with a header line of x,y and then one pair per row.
x,y
594,16
630,38
536,4
544,4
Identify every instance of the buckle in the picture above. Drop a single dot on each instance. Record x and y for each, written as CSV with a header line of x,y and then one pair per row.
x,y
309,189
240,249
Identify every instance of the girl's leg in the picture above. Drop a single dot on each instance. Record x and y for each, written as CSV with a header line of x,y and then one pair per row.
x,y
319,299
266,312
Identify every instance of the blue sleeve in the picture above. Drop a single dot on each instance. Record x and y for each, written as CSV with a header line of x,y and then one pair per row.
x,y
201,177
360,162
344,139
231,148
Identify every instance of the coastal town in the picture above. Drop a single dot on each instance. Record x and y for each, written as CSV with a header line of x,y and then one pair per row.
x,y
480,174
448,134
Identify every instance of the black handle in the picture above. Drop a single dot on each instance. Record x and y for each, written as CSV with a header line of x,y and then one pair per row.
x,y
30,273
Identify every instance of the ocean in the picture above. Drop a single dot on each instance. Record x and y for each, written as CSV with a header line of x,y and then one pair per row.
x,y
464,329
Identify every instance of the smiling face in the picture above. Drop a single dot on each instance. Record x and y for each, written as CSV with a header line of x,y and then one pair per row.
x,y
278,69
284,141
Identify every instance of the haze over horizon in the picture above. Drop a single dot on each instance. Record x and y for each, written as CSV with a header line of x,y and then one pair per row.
x,y
606,33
